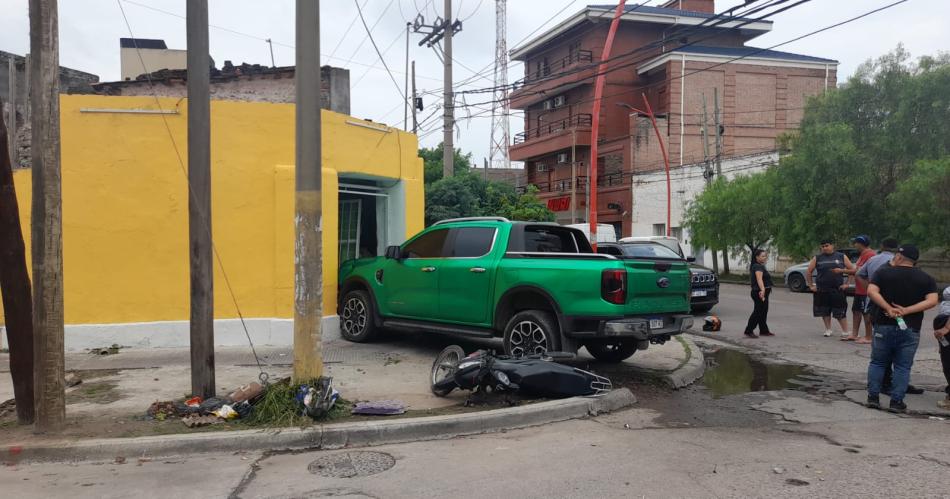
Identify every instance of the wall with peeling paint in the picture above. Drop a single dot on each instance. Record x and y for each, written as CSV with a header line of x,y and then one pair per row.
x,y
125,205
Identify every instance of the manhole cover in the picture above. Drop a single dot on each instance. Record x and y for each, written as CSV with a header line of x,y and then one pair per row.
x,y
351,464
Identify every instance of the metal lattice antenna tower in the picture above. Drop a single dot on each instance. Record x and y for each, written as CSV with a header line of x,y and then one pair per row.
x,y
498,154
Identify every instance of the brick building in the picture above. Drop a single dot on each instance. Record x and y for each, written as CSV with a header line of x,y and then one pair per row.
x,y
673,55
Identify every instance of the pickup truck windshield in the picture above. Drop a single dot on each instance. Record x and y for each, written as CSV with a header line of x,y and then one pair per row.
x,y
649,250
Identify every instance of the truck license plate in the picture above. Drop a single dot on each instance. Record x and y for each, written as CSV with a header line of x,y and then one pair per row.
x,y
699,292
656,323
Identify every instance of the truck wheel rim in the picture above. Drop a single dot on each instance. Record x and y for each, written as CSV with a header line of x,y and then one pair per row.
x,y
527,338
354,317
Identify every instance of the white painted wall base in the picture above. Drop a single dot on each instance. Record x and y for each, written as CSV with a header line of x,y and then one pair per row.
x,y
174,334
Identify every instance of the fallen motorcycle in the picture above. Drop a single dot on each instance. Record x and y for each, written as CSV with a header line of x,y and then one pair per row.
x,y
537,376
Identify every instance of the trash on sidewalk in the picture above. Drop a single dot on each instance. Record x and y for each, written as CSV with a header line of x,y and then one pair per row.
x,y
162,410
380,408
193,402
196,420
225,412
249,391
317,399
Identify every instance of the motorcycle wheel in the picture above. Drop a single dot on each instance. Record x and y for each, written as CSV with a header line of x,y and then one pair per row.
x,y
444,368
612,352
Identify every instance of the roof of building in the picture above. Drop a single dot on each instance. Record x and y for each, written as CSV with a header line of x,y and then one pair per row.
x,y
142,43
227,73
641,13
750,52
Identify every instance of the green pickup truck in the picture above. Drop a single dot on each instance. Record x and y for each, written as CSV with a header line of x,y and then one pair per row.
x,y
539,286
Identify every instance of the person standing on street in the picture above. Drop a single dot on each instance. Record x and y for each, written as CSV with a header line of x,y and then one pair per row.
x,y
860,303
902,293
829,298
761,289
942,333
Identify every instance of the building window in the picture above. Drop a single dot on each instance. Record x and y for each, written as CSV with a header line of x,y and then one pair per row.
x,y
659,229
677,232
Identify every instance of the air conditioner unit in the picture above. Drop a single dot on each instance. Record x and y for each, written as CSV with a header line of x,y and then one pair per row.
x,y
548,105
562,157
560,100
540,167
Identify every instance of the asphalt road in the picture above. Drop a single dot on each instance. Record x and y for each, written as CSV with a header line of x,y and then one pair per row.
x,y
698,442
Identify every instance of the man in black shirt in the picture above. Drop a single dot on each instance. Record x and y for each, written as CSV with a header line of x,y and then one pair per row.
x,y
829,299
901,293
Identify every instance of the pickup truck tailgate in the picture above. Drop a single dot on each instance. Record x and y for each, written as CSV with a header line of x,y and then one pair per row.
x,y
656,286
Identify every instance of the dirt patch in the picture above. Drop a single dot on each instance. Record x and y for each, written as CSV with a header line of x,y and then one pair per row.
x,y
100,392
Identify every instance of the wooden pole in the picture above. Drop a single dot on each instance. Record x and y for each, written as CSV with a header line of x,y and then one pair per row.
x,y
308,247
708,171
47,233
199,200
415,124
15,288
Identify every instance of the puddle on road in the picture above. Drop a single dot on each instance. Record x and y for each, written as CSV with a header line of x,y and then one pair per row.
x,y
731,372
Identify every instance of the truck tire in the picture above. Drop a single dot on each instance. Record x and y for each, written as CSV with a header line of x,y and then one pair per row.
x,y
611,352
532,332
356,317
796,282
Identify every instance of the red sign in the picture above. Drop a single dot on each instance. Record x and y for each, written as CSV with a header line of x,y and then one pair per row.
x,y
559,204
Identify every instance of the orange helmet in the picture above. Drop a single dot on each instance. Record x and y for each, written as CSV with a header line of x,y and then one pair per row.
x,y
712,323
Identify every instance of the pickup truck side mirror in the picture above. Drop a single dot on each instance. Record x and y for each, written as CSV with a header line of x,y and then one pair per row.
x,y
691,259
394,253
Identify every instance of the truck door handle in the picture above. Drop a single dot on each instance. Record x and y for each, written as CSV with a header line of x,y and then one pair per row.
x,y
477,270
428,269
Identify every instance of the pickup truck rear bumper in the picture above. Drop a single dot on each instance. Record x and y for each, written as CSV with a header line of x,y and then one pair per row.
x,y
636,328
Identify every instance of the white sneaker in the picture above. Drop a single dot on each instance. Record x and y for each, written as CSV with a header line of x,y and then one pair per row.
x,y
827,333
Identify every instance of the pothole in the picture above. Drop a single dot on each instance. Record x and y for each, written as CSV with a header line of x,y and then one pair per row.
x,y
732,372
352,464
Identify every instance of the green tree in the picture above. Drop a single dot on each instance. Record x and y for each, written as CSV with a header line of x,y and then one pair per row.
x,y
527,207
735,214
468,195
856,146
922,205
432,161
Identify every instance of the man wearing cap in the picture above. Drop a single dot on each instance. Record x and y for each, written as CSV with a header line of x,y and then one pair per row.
x,y
902,293
861,243
829,299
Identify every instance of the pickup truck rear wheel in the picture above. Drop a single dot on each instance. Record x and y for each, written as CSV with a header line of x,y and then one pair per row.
x,y
356,319
532,332
612,351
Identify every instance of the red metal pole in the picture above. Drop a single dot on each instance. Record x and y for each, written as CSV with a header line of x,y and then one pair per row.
x,y
666,162
595,122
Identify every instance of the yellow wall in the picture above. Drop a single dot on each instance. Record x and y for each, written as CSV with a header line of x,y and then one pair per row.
x,y
125,205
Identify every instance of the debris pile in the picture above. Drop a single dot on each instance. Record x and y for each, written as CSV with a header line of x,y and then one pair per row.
x,y
273,404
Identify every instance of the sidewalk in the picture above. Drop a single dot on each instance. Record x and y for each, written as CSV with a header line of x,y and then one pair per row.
x,y
117,389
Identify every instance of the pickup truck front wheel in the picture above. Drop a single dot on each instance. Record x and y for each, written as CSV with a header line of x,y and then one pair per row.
x,y
356,317
611,351
532,332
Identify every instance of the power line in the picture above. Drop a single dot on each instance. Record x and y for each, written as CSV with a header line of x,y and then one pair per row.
x,y
368,30
369,34
347,30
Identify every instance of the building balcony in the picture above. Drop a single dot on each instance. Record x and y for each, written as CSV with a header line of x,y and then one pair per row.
x,y
556,187
551,137
572,71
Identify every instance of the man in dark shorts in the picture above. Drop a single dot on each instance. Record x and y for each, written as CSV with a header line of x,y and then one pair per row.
x,y
902,293
829,299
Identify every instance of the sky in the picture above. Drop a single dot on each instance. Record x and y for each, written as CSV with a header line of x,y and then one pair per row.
x,y
90,30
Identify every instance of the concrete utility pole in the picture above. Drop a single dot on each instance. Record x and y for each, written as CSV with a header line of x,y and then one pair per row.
x,y
47,233
405,86
719,129
199,200
15,288
448,117
308,247
707,170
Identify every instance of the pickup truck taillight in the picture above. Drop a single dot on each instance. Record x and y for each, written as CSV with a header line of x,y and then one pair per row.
x,y
613,286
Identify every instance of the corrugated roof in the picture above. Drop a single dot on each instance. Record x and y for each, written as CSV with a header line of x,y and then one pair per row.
x,y
750,52
664,11
142,43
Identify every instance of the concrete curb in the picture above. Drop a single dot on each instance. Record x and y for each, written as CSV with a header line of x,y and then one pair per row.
x,y
685,374
332,436
693,369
